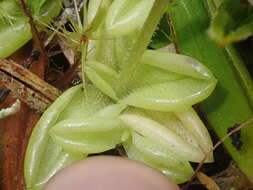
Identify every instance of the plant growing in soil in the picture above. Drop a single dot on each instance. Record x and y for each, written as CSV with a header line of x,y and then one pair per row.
x,y
140,99
132,98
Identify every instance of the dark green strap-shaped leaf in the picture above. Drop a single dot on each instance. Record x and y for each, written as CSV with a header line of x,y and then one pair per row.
x,y
228,104
242,32
229,22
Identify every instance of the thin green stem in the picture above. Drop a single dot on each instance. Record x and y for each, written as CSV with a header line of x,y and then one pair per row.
x,y
140,44
85,16
77,15
237,62
84,47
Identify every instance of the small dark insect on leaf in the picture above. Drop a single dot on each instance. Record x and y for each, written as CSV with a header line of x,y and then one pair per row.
x,y
3,94
235,137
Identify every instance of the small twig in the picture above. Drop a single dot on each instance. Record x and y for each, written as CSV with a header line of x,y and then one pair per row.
x,y
38,44
27,86
29,79
208,182
214,147
173,33
35,100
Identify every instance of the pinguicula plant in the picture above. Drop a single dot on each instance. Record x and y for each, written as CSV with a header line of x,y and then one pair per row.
x,y
138,98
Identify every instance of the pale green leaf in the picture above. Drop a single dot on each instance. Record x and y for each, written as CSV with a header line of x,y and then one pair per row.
x,y
147,75
176,63
87,143
161,154
193,124
105,119
126,16
94,124
161,135
174,95
102,84
40,145
174,174
96,129
170,121
14,26
105,71
74,104
97,10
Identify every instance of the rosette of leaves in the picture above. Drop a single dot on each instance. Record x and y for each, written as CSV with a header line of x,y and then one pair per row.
x,y
141,99
120,67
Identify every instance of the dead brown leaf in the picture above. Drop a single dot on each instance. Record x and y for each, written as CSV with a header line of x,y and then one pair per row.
x,y
207,181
